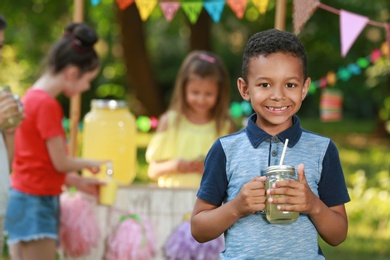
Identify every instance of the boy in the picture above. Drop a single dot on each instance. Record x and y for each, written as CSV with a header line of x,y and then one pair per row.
x,y
232,195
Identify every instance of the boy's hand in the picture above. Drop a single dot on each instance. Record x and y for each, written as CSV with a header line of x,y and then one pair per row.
x,y
251,197
299,195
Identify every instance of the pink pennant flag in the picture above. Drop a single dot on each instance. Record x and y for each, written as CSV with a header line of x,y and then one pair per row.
x,y
351,25
169,9
303,10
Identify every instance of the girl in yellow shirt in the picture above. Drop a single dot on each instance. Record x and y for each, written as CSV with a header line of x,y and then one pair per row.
x,y
197,116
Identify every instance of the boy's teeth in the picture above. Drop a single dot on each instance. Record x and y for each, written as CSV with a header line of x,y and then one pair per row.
x,y
277,108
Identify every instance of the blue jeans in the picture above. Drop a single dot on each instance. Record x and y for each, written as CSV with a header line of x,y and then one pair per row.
x,y
30,217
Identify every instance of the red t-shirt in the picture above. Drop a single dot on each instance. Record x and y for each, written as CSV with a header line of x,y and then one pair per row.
x,y
32,169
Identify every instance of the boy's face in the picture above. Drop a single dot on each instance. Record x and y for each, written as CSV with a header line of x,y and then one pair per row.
x,y
276,88
1,43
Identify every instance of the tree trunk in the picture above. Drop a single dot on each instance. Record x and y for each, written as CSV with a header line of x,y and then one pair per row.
x,y
139,71
200,33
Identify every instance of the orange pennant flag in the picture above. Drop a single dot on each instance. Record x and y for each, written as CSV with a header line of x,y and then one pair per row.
x,y
123,4
238,7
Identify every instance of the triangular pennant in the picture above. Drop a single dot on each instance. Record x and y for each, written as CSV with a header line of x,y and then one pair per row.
x,y
351,26
123,4
145,8
238,7
169,9
214,9
303,10
192,10
261,5
95,2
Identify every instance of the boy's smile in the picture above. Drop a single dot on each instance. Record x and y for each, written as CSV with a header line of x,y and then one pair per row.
x,y
276,88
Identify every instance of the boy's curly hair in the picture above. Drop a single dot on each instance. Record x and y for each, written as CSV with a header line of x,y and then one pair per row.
x,y
273,41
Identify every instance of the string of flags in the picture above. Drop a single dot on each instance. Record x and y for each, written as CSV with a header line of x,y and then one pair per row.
x,y
351,24
191,8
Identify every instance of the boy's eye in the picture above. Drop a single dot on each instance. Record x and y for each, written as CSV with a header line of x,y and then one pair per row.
x,y
290,85
265,85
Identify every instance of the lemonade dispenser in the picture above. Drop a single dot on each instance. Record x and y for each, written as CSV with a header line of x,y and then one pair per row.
x,y
110,133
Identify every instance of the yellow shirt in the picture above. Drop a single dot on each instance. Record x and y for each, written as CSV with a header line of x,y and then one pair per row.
x,y
188,141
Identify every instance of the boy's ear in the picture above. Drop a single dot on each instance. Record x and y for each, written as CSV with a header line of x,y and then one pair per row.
x,y
71,73
306,87
243,89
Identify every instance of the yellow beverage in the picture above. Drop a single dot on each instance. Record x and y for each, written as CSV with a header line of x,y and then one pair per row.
x,y
110,133
274,174
107,194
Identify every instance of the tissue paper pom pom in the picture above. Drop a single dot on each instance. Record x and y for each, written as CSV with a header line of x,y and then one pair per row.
x,y
79,230
133,238
182,246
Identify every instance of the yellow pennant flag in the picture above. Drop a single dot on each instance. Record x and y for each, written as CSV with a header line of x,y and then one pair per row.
x,y
145,8
261,5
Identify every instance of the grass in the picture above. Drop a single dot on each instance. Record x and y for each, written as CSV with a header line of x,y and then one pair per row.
x,y
366,164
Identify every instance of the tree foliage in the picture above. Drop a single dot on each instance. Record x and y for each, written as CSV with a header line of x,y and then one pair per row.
x,y
35,24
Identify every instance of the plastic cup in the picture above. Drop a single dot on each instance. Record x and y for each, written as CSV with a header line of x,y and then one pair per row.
x,y
108,192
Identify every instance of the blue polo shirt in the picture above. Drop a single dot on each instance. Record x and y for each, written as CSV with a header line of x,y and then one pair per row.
x,y
235,159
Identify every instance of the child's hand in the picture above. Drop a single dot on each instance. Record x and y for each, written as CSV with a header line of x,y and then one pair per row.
x,y
9,109
88,185
299,195
94,166
184,166
251,197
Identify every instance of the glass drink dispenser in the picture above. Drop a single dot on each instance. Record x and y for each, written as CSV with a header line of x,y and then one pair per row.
x,y
110,133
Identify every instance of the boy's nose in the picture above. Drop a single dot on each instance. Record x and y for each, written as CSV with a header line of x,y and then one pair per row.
x,y
277,93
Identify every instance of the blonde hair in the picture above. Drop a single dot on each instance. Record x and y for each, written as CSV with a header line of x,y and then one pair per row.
x,y
203,64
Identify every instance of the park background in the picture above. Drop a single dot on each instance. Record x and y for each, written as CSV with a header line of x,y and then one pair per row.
x,y
141,56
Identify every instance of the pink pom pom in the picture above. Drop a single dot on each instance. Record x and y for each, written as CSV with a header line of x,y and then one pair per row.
x,y
181,245
79,230
133,238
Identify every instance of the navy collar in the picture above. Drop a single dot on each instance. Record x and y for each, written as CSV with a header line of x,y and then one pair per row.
x,y
257,135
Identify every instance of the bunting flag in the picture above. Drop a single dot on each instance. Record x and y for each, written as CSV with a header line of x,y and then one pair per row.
x,y
214,8
169,9
351,26
95,2
145,8
303,10
192,10
238,7
261,5
123,4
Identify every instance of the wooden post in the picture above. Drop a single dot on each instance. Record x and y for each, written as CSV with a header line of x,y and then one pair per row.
x,y
75,101
280,17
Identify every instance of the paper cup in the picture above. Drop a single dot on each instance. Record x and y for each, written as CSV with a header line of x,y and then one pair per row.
x,y
107,194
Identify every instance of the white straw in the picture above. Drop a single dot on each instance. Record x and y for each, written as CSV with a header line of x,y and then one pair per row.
x,y
284,152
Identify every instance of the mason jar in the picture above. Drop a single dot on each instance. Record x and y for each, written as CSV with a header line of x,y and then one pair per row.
x,y
109,132
275,174
16,111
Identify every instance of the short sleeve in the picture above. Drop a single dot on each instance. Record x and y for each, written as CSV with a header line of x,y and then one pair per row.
x,y
158,149
49,119
214,181
332,188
